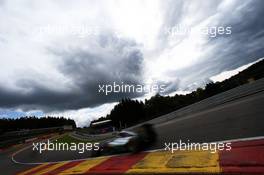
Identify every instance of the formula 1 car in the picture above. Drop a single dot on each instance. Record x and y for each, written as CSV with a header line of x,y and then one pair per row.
x,y
128,141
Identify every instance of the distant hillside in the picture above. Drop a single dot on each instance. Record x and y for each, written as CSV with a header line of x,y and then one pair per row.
x,y
130,112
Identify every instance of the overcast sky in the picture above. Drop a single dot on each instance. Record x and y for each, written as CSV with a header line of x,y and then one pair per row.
x,y
54,53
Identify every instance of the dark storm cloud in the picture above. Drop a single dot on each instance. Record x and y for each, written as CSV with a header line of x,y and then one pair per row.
x,y
37,96
244,45
115,60
229,52
120,62
175,12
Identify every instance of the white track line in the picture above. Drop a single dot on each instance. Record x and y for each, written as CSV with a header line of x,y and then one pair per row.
x,y
155,150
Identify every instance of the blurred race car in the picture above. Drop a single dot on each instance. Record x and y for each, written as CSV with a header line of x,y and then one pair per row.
x,y
128,141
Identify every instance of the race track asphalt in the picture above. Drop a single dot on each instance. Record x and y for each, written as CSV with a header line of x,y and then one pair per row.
x,y
241,118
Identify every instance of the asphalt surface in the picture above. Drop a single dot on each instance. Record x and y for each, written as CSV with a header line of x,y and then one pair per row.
x,y
241,118
237,119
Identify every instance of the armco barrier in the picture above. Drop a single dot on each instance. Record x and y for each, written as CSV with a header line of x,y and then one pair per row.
x,y
245,157
92,137
224,97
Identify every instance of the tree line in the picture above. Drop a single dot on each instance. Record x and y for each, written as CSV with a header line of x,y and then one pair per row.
x,y
32,122
129,112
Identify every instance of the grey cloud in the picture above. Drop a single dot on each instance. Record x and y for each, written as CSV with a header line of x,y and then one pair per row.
x,y
175,11
87,69
169,86
229,52
37,96
122,64
244,45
